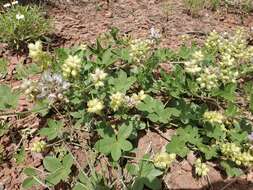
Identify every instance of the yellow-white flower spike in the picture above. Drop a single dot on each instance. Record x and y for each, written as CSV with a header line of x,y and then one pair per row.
x,y
98,77
201,169
164,160
117,100
95,106
71,66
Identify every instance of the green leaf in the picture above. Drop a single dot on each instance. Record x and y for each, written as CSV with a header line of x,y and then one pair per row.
x,y
125,145
53,130
209,151
67,161
125,131
146,176
8,98
59,175
116,151
228,93
41,107
178,147
51,163
20,155
133,169
80,186
232,110
30,172
251,103
105,145
183,137
156,111
231,169
29,183
121,83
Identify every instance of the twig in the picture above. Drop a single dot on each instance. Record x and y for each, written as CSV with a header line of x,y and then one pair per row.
x,y
230,183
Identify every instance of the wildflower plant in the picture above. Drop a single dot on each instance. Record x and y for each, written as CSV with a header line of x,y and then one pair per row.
x,y
20,25
94,90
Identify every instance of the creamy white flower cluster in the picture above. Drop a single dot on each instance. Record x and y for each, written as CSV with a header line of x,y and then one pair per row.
x,y
201,168
208,78
98,77
235,45
49,86
139,49
71,66
194,66
228,72
38,146
164,160
117,100
214,117
35,51
236,154
231,52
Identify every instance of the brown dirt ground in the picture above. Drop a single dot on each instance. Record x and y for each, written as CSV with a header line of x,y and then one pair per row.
x,y
80,23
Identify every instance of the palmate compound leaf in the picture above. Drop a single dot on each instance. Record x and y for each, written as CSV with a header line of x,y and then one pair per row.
x,y
184,136
58,170
53,130
121,83
145,175
156,111
115,144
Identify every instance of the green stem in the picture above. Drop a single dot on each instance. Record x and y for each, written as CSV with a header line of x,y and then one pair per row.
x,y
139,159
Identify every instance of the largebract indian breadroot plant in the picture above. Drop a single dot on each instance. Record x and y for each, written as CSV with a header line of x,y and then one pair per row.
x,y
112,91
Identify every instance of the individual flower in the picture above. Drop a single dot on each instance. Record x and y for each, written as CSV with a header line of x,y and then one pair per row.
x,y
20,16
117,100
214,117
95,106
38,146
71,66
6,5
201,169
35,50
163,160
14,3
98,77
